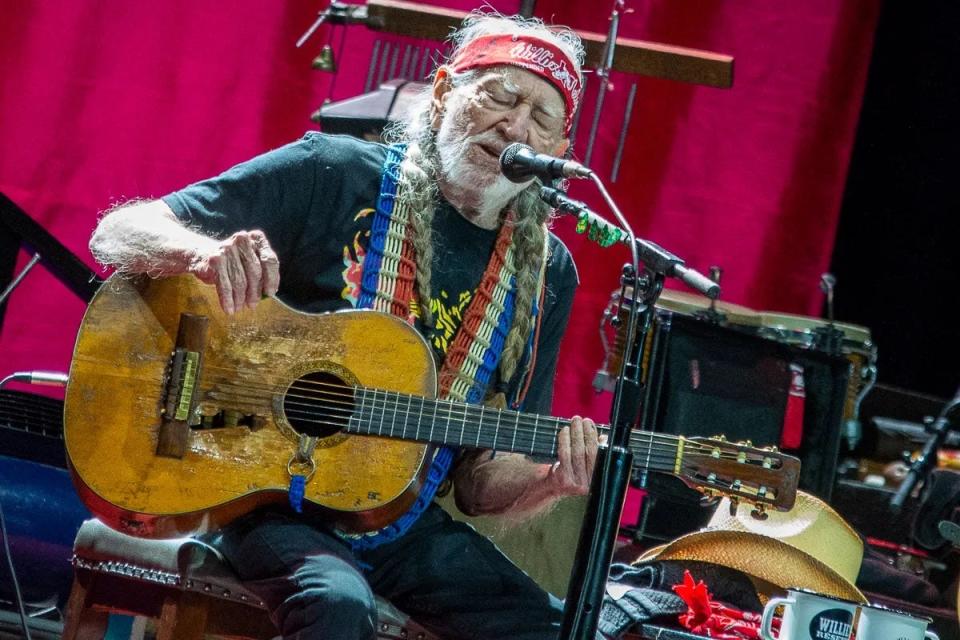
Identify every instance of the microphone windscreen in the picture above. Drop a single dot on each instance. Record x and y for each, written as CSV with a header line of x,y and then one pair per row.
x,y
508,156
512,167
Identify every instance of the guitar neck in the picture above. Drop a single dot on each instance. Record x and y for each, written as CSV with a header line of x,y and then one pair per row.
x,y
396,415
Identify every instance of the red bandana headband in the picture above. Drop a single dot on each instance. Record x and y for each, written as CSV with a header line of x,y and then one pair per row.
x,y
533,54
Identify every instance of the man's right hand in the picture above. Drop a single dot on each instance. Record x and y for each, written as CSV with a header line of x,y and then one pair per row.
x,y
243,267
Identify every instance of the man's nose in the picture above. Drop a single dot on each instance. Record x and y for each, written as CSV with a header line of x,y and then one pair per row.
x,y
515,125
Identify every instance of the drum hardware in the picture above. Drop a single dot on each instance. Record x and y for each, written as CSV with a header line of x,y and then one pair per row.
x,y
602,380
622,141
603,74
716,272
827,283
828,337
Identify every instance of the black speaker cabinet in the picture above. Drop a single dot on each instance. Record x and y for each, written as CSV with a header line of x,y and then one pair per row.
x,y
707,379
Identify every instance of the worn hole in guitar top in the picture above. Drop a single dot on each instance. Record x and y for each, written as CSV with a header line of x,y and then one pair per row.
x,y
319,404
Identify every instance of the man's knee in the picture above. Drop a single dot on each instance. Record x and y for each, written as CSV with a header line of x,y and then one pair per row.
x,y
332,600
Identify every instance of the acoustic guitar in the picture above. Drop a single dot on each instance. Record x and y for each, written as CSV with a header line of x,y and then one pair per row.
x,y
179,418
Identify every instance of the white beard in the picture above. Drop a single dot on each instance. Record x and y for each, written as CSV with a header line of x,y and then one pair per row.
x,y
490,189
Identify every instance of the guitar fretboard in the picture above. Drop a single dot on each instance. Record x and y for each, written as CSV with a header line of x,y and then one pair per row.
x,y
396,415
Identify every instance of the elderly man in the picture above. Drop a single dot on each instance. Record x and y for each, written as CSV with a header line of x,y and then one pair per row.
x,y
428,229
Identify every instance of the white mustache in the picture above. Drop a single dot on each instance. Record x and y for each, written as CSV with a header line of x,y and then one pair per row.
x,y
490,140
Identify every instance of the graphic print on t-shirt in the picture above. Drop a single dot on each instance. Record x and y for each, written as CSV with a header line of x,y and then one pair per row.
x,y
447,315
447,309
353,260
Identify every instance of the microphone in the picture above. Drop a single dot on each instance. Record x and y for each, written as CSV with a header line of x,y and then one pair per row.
x,y
928,455
520,163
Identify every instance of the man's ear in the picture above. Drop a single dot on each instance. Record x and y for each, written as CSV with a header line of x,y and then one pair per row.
x,y
441,89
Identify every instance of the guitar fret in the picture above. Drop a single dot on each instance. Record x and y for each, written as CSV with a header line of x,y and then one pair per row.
x,y
380,427
419,418
384,410
553,444
463,422
513,442
480,426
363,399
496,430
536,421
397,414
406,416
433,422
446,427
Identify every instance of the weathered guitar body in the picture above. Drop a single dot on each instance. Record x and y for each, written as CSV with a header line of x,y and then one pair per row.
x,y
119,379
179,418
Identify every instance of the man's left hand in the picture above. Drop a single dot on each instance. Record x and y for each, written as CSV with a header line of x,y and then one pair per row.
x,y
577,454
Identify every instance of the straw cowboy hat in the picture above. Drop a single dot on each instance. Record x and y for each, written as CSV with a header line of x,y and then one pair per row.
x,y
810,547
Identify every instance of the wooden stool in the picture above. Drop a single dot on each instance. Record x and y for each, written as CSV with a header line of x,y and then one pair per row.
x,y
184,584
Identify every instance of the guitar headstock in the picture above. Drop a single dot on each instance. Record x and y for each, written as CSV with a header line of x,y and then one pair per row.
x,y
763,477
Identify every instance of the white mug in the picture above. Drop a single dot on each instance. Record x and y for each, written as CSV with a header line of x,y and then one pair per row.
x,y
880,623
810,616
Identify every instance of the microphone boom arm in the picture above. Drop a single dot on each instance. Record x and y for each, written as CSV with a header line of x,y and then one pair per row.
x,y
606,234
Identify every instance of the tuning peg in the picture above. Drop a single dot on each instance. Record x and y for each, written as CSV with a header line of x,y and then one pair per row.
x,y
720,438
771,449
734,504
759,512
325,61
747,443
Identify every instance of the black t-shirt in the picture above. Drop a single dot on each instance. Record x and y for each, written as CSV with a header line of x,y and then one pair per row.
x,y
315,199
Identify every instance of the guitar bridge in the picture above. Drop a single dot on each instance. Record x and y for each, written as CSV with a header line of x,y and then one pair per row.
x,y
180,396
181,384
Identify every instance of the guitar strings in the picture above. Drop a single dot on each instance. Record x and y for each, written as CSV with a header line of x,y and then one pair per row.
x,y
523,441
657,450
531,422
394,400
662,457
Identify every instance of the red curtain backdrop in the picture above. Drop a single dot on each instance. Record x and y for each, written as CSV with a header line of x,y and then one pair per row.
x,y
102,101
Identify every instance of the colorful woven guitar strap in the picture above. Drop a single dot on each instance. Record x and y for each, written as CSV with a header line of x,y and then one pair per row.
x,y
387,284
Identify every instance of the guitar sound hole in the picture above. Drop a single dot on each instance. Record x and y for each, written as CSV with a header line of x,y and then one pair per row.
x,y
318,404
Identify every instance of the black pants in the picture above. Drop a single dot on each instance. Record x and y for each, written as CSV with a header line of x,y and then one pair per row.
x,y
441,572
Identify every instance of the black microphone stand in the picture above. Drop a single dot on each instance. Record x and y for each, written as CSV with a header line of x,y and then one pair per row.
x,y
615,461
928,456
